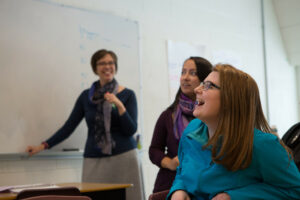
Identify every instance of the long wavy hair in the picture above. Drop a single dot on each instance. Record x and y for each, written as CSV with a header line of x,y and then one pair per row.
x,y
240,113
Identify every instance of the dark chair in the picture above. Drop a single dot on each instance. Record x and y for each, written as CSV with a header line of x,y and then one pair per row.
x,y
65,191
58,197
292,139
159,195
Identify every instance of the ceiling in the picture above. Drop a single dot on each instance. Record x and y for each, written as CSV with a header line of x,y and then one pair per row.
x,y
288,15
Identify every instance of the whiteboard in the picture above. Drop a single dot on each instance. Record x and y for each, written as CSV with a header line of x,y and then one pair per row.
x,y
45,52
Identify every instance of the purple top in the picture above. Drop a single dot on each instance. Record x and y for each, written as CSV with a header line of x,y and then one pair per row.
x,y
163,144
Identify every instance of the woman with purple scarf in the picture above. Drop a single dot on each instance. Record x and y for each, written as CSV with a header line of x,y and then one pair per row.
x,y
172,122
110,111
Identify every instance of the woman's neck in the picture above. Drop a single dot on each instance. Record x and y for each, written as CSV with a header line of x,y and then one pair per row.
x,y
102,83
210,133
212,127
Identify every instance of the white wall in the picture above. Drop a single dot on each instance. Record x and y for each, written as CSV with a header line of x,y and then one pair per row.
x,y
282,90
232,25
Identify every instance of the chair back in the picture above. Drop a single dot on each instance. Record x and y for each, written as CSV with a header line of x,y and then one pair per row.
x,y
292,139
58,197
65,191
159,195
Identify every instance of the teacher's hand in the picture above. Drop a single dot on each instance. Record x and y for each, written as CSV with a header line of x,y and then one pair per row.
x,y
31,150
112,98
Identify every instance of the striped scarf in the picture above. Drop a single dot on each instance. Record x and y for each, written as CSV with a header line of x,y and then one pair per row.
x,y
182,115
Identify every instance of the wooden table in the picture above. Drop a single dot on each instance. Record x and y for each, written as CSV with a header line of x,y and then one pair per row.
x,y
94,190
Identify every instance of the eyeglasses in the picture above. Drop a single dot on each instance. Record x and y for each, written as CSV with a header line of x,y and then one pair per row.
x,y
208,85
105,63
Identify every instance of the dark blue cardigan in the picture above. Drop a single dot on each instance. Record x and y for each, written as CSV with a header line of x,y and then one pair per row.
x,y
122,127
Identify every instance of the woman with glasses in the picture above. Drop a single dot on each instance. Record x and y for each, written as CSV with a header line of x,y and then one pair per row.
x,y
172,121
229,151
110,111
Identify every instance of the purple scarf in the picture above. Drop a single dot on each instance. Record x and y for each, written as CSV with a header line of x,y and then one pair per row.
x,y
182,115
103,114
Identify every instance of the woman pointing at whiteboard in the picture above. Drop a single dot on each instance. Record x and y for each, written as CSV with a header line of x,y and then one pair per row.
x,y
110,111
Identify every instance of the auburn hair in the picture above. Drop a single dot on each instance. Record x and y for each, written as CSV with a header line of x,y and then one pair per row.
x,y
240,113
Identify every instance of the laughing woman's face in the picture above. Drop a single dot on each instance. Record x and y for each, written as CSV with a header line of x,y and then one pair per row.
x,y
106,69
208,99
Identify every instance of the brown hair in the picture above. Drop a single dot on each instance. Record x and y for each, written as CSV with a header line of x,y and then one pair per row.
x,y
100,54
240,113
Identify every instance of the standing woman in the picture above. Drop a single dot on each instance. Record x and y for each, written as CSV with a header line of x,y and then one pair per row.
x,y
172,122
110,111
229,152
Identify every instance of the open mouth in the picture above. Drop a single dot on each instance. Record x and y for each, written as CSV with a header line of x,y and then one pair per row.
x,y
106,72
185,85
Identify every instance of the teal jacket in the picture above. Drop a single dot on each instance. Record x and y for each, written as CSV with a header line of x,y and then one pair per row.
x,y
270,176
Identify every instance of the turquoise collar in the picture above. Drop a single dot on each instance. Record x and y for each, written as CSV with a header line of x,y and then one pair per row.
x,y
199,134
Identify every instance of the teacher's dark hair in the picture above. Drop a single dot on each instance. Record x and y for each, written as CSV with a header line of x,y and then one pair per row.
x,y
203,66
100,54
